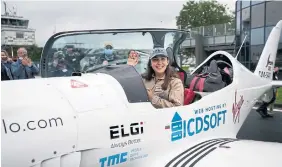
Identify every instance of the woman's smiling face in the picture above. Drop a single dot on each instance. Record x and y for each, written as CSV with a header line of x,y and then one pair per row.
x,y
159,64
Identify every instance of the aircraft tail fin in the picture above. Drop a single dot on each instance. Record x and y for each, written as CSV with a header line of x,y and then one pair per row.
x,y
267,59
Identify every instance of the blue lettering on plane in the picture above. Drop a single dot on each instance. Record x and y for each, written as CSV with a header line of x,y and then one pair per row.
x,y
180,129
113,159
124,157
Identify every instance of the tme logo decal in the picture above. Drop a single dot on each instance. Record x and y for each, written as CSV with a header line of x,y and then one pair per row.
x,y
122,158
236,108
118,131
113,159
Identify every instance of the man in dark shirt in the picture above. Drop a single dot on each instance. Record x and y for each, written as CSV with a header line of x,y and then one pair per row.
x,y
262,110
4,75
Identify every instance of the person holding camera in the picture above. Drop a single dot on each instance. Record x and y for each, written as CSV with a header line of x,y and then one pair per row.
x,y
23,68
60,65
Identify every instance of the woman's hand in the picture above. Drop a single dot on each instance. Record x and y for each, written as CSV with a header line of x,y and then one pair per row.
x,y
150,94
133,58
131,62
105,62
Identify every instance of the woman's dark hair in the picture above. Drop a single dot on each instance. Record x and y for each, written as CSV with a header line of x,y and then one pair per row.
x,y
169,74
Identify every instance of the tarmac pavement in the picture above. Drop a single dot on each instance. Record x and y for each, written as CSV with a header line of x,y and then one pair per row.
x,y
257,128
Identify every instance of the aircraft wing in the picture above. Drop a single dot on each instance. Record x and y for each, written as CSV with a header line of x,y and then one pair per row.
x,y
276,83
225,152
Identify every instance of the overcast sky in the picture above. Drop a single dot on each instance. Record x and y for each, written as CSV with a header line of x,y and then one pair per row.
x,y
44,16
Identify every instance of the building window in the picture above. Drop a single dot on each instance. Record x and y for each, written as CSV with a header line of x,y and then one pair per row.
x,y
256,2
245,3
238,5
258,15
256,52
253,66
267,32
246,15
279,56
247,35
273,12
245,23
4,21
19,35
257,36
246,64
238,22
245,54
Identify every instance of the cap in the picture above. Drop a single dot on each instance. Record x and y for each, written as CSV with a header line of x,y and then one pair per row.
x,y
108,44
159,52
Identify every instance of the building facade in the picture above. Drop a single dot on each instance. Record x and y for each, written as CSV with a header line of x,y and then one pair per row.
x,y
254,22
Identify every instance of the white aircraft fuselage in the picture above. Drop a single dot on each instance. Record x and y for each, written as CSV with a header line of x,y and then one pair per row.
x,y
87,121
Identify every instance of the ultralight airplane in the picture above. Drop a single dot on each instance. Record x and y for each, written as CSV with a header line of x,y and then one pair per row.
x,y
102,116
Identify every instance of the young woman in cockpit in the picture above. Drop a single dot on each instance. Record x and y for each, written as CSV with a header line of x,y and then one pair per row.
x,y
163,85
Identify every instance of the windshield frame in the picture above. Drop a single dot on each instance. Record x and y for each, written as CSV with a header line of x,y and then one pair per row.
x,y
156,33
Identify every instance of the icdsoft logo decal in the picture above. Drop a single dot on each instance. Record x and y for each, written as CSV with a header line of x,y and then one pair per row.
x,y
205,119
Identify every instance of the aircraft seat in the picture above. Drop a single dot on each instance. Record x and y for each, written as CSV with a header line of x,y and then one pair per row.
x,y
181,75
189,96
227,76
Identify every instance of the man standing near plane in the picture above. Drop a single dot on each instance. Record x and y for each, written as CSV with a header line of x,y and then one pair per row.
x,y
275,77
262,110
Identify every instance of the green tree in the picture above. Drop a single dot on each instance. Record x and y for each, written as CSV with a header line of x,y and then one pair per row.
x,y
202,13
34,52
232,20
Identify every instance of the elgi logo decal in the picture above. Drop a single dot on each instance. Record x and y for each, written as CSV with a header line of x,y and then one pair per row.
x,y
118,131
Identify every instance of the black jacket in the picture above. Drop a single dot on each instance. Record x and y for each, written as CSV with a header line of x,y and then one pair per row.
x,y
4,75
275,76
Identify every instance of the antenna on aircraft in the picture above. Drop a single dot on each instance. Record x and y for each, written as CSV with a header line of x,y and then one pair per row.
x,y
5,8
241,47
